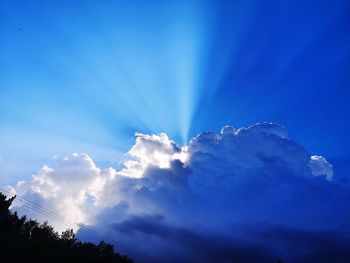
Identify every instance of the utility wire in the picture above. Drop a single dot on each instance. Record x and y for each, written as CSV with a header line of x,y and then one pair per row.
x,y
60,219
52,215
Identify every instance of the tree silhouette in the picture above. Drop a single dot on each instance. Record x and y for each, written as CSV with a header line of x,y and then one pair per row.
x,y
26,240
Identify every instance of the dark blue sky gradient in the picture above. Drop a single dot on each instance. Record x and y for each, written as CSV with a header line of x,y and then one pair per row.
x,y
289,63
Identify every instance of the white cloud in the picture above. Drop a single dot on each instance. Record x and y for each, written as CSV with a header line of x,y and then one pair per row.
x,y
63,189
321,167
240,175
151,150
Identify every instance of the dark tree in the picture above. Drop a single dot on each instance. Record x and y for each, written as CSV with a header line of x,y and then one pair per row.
x,y
23,240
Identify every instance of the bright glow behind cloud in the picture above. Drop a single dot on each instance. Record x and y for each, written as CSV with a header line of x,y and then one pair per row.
x,y
132,64
239,176
152,151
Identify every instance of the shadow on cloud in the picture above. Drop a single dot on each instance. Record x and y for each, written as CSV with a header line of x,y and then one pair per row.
x,y
244,195
253,242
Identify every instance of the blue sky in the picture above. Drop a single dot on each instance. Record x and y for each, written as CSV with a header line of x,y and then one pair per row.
x,y
78,79
85,76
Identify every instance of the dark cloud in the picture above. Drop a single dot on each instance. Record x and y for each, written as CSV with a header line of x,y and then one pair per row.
x,y
203,202
299,245
250,242
190,245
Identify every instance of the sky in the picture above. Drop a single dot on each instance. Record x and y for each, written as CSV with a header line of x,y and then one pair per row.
x,y
91,85
85,76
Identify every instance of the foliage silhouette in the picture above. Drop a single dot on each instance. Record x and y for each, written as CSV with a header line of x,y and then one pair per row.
x,y
26,240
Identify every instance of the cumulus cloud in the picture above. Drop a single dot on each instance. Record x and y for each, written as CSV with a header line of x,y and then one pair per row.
x,y
151,150
197,200
63,188
321,167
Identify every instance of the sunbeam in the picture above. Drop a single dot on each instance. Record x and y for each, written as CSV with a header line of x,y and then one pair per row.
x,y
121,119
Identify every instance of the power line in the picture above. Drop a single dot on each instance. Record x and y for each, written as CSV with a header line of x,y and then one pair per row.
x,y
56,219
52,215
60,219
